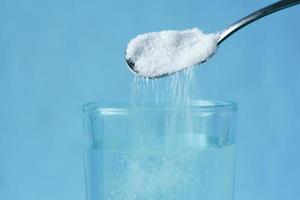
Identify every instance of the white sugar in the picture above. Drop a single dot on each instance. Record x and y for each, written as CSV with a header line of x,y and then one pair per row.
x,y
166,52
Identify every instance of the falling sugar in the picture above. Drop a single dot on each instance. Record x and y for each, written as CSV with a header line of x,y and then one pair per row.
x,y
175,91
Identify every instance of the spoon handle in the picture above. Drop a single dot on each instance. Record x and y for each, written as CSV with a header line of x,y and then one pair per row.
x,y
255,16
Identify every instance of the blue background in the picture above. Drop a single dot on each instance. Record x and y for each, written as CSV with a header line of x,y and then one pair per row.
x,y
56,55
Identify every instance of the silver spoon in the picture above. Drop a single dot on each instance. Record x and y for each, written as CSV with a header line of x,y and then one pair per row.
x,y
237,25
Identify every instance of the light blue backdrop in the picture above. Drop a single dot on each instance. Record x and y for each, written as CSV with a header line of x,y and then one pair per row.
x,y
56,55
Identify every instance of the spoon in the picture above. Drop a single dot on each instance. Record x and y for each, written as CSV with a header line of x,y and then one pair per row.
x,y
236,26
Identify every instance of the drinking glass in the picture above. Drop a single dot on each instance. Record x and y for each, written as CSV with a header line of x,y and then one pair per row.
x,y
160,153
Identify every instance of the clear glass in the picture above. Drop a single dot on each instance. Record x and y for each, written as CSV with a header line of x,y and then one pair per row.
x,y
160,153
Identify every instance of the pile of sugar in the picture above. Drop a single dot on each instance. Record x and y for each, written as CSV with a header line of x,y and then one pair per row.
x,y
159,53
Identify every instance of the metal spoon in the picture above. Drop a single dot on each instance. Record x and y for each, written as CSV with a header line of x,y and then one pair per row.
x,y
238,25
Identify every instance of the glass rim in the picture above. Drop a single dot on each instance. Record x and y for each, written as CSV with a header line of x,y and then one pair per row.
x,y
119,107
